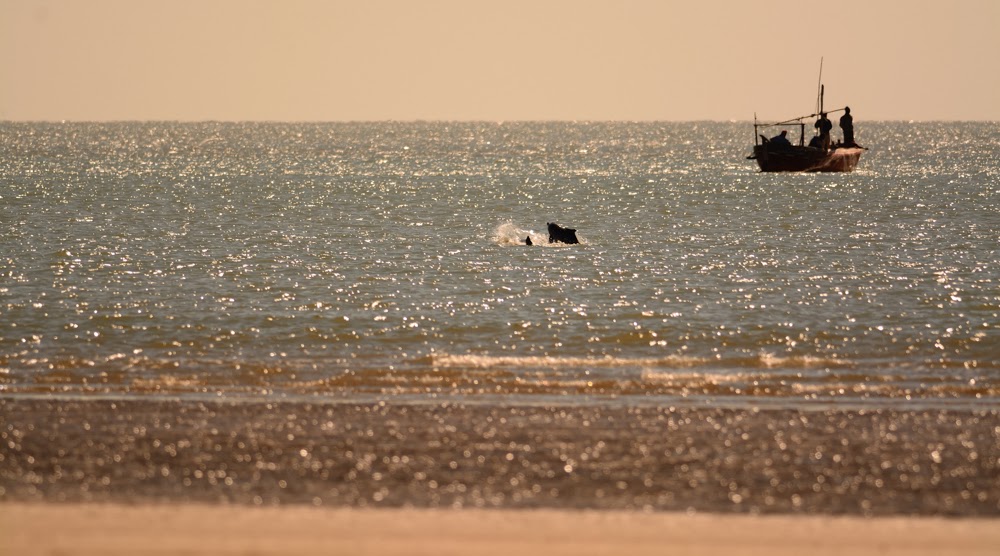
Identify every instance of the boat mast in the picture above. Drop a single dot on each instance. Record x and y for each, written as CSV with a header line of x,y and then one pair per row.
x,y
819,88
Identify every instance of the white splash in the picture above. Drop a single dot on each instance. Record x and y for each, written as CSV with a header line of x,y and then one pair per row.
x,y
510,234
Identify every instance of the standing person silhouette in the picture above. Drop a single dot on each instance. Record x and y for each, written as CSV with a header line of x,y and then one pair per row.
x,y
847,124
824,126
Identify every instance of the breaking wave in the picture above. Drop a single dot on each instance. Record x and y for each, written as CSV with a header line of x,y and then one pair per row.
x,y
544,361
788,381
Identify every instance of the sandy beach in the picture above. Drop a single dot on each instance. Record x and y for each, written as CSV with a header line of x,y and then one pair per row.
x,y
180,477
48,529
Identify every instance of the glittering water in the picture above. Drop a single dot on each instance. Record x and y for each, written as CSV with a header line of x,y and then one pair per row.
x,y
354,261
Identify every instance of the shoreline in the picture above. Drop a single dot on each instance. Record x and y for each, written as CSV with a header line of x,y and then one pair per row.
x,y
84,529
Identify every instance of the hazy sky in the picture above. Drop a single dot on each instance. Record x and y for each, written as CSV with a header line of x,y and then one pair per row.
x,y
497,60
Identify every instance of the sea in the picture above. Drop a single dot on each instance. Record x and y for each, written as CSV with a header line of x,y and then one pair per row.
x,y
387,262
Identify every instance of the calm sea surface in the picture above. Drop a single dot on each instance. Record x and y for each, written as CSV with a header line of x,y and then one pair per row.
x,y
386,261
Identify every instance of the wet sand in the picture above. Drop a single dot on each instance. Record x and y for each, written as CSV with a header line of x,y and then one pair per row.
x,y
159,476
870,463
30,529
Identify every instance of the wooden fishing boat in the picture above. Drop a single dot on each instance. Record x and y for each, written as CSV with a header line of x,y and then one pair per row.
x,y
802,158
777,154
782,156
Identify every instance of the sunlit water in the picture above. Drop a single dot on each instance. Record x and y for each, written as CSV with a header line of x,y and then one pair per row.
x,y
386,261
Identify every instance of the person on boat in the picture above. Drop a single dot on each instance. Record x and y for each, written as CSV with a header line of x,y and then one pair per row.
x,y
824,126
780,141
847,124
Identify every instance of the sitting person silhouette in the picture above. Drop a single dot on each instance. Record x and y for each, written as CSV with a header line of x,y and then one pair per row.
x,y
780,141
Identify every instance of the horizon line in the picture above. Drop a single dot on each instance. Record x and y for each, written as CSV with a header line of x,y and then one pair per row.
x,y
449,121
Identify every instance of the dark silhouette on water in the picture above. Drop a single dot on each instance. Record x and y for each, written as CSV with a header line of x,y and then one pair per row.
x,y
777,155
558,234
527,240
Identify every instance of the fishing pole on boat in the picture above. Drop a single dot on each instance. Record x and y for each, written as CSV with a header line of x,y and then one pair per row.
x,y
800,118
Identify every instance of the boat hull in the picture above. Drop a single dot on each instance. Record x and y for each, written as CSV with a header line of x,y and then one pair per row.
x,y
806,159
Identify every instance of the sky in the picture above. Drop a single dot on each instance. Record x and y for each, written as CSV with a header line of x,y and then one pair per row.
x,y
499,60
